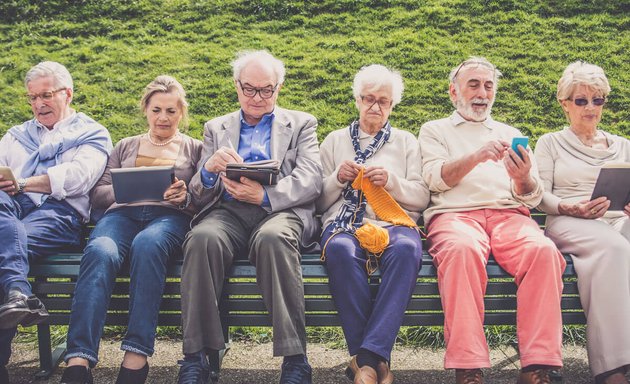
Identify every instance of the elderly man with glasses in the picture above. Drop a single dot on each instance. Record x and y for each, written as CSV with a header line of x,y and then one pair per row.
x,y
481,192
55,158
243,219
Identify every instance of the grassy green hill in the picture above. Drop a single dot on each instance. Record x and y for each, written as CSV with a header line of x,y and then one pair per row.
x,y
114,48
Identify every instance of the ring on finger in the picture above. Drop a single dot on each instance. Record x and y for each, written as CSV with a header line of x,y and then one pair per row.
x,y
593,211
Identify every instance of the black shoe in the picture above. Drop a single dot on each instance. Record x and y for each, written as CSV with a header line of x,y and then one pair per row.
x,y
14,309
77,374
296,373
132,376
4,374
194,369
38,313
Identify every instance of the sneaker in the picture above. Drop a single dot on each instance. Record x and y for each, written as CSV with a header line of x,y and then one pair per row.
x,y
77,374
132,376
296,373
194,369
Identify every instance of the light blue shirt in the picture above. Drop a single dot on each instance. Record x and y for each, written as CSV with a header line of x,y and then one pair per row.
x,y
254,145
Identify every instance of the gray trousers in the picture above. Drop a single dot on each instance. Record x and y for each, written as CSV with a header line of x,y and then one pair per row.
x,y
601,257
272,244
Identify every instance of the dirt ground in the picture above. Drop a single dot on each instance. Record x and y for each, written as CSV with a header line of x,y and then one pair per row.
x,y
252,363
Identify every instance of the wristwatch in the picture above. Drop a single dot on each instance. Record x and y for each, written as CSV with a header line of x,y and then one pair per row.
x,y
187,202
21,185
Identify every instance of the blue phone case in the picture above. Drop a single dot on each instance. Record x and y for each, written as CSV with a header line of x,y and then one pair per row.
x,y
519,141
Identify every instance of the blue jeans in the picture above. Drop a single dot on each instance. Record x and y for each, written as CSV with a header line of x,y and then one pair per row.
x,y
145,235
366,324
28,232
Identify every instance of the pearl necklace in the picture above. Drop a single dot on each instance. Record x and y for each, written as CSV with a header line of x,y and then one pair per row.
x,y
163,143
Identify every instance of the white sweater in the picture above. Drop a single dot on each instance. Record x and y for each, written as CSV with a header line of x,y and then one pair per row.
x,y
399,156
569,169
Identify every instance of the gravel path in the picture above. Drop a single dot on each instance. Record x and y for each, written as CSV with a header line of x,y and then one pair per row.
x,y
252,363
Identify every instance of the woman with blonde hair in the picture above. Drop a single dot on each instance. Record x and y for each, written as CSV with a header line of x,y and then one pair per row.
x,y
145,234
598,238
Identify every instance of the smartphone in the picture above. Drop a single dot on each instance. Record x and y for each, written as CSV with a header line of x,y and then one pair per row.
x,y
7,174
519,141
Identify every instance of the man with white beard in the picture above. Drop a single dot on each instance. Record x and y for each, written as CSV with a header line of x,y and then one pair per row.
x,y
481,192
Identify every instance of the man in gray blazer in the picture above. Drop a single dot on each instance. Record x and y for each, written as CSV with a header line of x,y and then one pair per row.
x,y
242,218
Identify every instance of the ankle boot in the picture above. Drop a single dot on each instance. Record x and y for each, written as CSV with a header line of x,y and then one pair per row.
x,y
132,376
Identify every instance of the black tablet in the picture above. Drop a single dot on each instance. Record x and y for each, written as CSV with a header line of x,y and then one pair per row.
x,y
139,184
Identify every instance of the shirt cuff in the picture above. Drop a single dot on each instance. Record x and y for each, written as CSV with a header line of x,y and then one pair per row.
x,y
57,177
208,179
265,203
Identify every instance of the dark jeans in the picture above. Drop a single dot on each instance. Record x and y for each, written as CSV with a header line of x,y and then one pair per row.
x,y
366,324
147,236
28,232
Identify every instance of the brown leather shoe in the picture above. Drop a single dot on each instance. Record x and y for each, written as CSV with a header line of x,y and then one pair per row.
x,y
385,375
468,376
366,375
352,369
537,376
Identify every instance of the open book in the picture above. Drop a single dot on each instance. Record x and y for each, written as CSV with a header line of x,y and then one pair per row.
x,y
614,183
265,171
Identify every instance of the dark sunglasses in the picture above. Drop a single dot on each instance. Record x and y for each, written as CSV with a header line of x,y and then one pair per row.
x,y
597,101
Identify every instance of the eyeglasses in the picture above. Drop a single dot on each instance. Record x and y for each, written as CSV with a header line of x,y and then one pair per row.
x,y
596,101
45,96
265,92
369,101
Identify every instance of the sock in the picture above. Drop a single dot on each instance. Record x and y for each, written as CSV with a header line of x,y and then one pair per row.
x,y
296,359
369,358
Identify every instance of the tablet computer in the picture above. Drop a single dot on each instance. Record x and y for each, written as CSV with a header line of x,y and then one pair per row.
x,y
614,183
7,174
132,185
265,171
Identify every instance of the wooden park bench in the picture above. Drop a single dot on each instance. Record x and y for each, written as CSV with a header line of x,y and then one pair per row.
x,y
54,278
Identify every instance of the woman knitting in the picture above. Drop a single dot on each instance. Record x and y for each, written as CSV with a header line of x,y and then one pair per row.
x,y
373,194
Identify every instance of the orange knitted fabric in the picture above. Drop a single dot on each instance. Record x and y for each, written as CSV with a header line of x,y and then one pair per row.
x,y
385,207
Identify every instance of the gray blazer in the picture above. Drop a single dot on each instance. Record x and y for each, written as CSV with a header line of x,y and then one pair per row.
x,y
293,142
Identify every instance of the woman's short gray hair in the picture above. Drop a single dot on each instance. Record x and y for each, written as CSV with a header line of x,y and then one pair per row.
x,y
582,73
166,84
52,69
376,76
262,57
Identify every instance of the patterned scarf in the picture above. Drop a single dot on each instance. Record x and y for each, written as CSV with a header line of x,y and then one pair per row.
x,y
350,215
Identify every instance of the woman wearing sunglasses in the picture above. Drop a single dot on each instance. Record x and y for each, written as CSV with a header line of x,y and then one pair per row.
x,y
597,238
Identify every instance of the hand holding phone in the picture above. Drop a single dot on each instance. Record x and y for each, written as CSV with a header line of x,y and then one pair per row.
x,y
519,141
7,175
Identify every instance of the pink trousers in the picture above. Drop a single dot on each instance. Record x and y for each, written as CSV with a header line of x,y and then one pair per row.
x,y
460,243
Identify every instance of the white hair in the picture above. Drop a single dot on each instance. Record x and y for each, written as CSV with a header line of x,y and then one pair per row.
x,y
262,57
376,76
582,73
52,69
477,62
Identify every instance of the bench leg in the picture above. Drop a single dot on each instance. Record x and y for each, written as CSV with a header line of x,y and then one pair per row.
x,y
48,359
